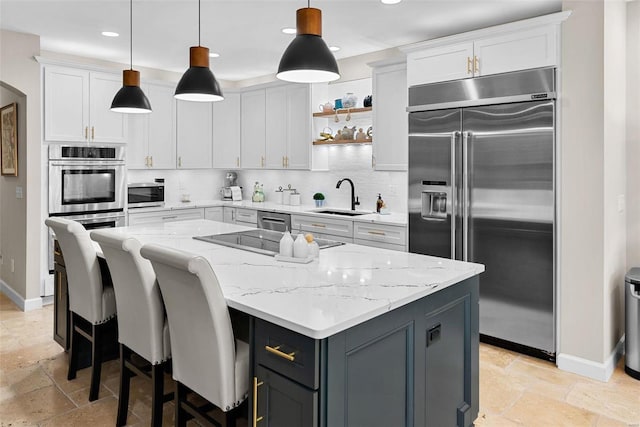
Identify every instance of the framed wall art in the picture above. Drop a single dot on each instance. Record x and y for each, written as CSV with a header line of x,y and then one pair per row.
x,y
9,139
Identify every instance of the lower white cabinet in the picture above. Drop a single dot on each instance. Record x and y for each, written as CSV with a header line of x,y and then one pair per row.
x,y
215,213
241,216
380,235
323,226
168,215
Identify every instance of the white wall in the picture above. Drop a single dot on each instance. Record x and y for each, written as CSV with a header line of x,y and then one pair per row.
x,y
20,71
633,134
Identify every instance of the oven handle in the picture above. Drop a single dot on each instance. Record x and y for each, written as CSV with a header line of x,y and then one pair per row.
x,y
86,164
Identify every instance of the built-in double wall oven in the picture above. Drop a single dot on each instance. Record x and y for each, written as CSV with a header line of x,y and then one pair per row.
x,y
87,184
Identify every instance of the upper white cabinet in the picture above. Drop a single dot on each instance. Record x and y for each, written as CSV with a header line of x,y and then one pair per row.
x,y
253,124
152,137
77,106
521,45
288,127
390,120
194,134
226,132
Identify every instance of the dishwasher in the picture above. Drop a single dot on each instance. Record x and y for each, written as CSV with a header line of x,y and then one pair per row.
x,y
274,221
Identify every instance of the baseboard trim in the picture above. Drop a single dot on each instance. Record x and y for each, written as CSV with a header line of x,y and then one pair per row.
x,y
23,304
590,369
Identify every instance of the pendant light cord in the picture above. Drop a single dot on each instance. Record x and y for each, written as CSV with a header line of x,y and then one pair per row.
x,y
198,22
131,34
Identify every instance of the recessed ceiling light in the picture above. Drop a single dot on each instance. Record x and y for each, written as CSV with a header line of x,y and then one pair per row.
x,y
213,55
110,34
289,30
334,48
390,1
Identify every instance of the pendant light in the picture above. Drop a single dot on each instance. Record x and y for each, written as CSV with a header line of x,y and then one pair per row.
x,y
198,83
307,59
130,98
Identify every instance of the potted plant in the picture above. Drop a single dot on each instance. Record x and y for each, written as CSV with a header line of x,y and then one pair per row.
x,y
319,199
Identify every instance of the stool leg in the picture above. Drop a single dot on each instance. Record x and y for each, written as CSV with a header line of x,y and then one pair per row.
x,y
181,396
230,418
73,349
96,361
125,385
157,394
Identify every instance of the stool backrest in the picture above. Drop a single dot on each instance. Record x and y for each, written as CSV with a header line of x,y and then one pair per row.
x,y
202,340
83,270
140,305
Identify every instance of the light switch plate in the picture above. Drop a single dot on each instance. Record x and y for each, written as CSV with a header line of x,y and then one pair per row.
x,y
19,193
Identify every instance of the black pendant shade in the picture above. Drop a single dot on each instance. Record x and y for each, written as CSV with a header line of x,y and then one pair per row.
x,y
198,83
130,99
307,59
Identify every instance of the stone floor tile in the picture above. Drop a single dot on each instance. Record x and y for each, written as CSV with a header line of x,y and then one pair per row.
x,y
21,381
608,422
34,406
497,391
26,356
488,420
81,397
496,356
614,400
535,410
97,414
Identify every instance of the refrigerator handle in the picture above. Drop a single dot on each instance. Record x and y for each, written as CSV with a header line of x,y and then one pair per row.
x,y
454,193
465,195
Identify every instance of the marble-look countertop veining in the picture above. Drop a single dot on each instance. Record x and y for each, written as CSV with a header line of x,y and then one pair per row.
x,y
346,286
394,218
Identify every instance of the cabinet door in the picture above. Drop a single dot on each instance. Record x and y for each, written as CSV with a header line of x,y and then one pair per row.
x,y
106,126
282,402
253,129
193,140
440,64
214,213
390,120
276,127
138,139
66,104
226,132
516,51
162,134
229,214
298,127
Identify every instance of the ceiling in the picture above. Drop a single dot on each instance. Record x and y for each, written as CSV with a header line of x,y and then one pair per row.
x,y
246,34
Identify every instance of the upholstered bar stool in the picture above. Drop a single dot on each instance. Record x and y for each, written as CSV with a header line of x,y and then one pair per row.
x,y
142,324
91,302
207,359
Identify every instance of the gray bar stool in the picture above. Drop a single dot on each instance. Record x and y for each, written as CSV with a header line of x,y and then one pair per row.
x,y
207,359
91,301
142,323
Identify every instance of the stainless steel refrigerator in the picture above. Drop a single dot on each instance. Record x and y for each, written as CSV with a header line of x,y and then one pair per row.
x,y
481,189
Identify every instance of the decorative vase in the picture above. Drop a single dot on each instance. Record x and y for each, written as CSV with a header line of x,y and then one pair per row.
x,y
319,203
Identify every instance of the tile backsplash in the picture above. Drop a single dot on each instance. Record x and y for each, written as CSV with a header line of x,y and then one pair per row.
x,y
347,161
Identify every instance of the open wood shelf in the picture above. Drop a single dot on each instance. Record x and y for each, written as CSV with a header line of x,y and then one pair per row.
x,y
343,111
342,141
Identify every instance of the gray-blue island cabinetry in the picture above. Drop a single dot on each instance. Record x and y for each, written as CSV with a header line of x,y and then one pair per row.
x,y
416,365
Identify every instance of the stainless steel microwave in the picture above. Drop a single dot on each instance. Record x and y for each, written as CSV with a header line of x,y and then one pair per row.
x,y
145,194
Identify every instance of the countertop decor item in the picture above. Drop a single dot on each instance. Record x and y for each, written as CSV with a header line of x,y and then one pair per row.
x,y
130,98
258,193
307,59
349,100
198,83
367,101
9,139
319,199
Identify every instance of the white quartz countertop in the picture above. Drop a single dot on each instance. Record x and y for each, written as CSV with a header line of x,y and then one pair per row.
x,y
346,286
393,218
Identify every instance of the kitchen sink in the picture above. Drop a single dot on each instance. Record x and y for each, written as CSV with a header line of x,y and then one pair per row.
x,y
340,212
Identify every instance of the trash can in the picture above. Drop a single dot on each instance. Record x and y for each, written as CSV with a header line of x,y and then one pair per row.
x,y
632,322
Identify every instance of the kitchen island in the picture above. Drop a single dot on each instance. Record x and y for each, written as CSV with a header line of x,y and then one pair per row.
x,y
360,337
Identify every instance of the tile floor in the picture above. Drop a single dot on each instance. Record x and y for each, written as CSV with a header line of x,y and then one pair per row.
x,y
515,390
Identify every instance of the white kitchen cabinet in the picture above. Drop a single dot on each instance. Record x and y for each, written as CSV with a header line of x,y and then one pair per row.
x,y
226,132
253,124
77,106
229,214
380,235
298,125
276,127
390,121
325,226
214,213
152,143
241,216
194,134
167,215
515,46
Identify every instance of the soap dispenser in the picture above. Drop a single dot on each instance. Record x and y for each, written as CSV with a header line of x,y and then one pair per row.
x,y
379,203
286,245
300,247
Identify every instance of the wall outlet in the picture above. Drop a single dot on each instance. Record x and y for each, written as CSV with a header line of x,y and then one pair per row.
x,y
19,193
13,265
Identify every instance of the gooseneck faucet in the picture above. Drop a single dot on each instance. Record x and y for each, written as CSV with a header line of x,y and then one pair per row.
x,y
354,200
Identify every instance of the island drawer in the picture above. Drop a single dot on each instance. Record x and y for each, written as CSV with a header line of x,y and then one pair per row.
x,y
395,235
289,353
314,224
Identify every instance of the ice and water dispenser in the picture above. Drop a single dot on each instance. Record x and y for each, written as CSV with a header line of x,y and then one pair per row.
x,y
435,199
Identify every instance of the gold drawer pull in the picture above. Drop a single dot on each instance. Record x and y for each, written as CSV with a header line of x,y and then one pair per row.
x,y
319,225
256,384
57,253
379,233
276,350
